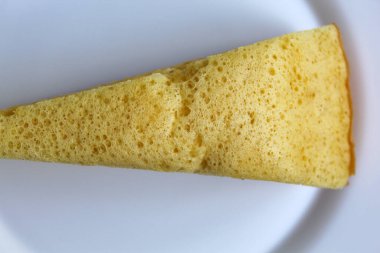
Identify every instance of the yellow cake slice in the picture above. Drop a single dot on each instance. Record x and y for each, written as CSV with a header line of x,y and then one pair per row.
x,y
274,110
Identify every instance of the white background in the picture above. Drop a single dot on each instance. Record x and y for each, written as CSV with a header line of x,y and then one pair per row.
x,y
49,48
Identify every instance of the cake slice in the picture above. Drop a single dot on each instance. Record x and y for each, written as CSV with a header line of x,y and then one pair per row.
x,y
275,110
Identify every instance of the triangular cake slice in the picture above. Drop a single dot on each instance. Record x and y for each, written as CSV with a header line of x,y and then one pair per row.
x,y
275,110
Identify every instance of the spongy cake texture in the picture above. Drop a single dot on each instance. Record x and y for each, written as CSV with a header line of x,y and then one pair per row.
x,y
275,110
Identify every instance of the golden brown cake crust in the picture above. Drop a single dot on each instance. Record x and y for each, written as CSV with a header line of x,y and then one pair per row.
x,y
350,134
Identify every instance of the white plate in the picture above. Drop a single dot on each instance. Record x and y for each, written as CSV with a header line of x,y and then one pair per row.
x,y
50,48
